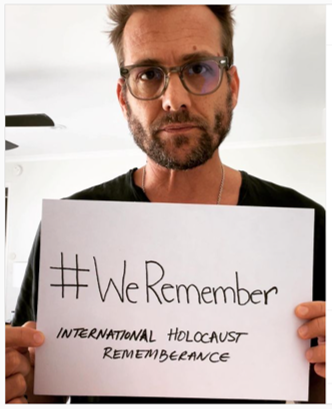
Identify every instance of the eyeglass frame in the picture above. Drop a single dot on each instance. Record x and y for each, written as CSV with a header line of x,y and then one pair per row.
x,y
222,63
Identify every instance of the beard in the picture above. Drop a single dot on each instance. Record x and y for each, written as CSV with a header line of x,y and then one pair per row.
x,y
166,152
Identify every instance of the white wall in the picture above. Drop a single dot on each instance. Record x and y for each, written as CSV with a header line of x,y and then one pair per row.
x,y
301,166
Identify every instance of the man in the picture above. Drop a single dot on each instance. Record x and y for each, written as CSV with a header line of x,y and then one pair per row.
x,y
177,90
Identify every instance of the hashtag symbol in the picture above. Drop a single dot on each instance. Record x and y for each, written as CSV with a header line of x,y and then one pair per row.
x,y
63,269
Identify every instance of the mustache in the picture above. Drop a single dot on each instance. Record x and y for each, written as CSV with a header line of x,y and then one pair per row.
x,y
178,118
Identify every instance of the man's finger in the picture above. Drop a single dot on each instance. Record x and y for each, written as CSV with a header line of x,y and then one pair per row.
x,y
29,324
16,363
320,370
316,355
32,352
15,387
22,399
313,329
310,310
23,337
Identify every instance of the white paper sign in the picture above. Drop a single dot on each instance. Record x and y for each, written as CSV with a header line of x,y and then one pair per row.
x,y
142,299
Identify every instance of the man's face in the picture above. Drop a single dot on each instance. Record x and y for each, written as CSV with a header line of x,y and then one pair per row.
x,y
179,130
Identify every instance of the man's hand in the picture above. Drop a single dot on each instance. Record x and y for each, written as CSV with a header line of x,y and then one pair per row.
x,y
314,312
18,365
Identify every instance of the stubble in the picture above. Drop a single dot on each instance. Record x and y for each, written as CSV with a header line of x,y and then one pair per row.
x,y
166,152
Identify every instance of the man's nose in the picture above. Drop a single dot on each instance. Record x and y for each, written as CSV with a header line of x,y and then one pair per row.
x,y
176,97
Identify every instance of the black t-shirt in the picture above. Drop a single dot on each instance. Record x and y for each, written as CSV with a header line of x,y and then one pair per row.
x,y
253,192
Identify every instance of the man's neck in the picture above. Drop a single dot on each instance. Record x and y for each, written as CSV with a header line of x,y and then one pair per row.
x,y
200,185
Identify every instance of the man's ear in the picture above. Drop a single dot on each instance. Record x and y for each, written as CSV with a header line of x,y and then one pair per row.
x,y
120,89
234,83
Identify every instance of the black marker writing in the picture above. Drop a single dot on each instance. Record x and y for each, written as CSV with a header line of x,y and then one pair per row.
x,y
107,333
158,290
161,355
63,269
121,295
204,337
206,295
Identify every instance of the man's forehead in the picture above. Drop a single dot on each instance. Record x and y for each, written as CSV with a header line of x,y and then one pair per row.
x,y
159,33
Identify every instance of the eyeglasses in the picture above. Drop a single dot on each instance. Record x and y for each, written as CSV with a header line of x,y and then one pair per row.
x,y
199,77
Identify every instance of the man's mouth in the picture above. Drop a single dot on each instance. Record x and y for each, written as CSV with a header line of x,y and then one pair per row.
x,y
174,128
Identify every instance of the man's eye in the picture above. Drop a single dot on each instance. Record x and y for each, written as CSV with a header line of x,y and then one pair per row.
x,y
198,69
150,75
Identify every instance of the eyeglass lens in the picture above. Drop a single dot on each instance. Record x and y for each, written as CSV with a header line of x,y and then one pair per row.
x,y
199,78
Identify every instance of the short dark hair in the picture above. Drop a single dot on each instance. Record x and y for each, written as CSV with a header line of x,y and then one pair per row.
x,y
120,13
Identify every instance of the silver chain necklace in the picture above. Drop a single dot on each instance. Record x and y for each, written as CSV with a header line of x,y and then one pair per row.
x,y
221,188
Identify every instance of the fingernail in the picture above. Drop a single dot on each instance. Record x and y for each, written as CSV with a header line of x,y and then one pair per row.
x,y
303,330
309,355
38,337
303,311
